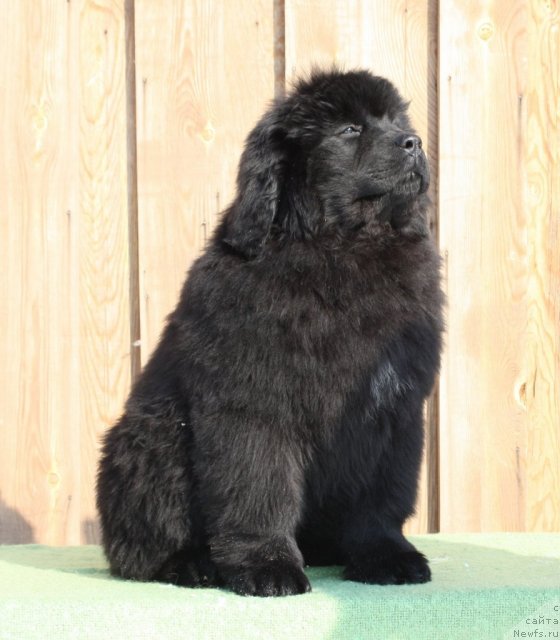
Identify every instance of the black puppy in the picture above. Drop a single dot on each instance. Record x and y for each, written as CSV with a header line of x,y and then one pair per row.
x,y
279,420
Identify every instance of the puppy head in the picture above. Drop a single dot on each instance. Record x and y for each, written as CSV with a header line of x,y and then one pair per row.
x,y
361,143
338,151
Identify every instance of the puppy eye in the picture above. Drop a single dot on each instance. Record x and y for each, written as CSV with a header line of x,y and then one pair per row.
x,y
353,129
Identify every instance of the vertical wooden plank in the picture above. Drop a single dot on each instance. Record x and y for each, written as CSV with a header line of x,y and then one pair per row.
x,y
105,340
279,52
482,233
132,186
205,72
500,422
395,39
538,391
63,247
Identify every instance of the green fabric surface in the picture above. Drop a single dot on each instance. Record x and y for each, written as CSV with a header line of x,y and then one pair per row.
x,y
483,586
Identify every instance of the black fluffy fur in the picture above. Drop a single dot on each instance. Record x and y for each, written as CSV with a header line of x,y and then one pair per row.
x,y
279,421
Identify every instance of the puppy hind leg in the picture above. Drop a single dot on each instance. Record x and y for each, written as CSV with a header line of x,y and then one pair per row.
x,y
190,567
144,494
133,561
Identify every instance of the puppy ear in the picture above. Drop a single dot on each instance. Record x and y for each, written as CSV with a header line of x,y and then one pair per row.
x,y
249,220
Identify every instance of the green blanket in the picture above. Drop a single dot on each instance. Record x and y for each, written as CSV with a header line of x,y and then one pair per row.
x,y
484,586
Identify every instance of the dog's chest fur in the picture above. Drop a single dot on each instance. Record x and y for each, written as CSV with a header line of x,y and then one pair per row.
x,y
302,321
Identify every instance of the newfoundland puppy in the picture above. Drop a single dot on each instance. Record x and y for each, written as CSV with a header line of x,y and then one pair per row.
x,y
279,421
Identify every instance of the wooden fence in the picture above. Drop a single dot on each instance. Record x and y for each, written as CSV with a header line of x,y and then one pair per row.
x,y
121,125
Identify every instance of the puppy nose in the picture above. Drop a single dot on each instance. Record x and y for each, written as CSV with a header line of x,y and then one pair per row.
x,y
409,142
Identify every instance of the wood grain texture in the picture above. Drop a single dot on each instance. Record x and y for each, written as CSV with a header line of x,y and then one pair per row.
x,y
538,388
205,72
105,344
64,340
395,39
499,229
132,188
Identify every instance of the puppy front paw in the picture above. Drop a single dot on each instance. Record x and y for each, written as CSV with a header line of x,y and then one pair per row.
x,y
404,567
276,578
